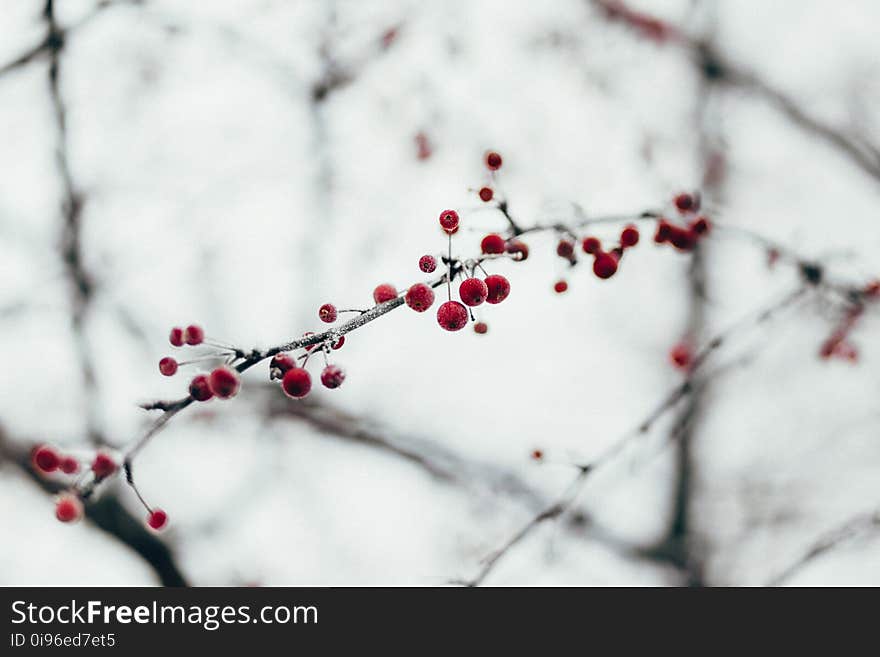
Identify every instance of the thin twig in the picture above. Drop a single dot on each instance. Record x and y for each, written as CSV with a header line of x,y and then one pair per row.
x,y
669,401
865,524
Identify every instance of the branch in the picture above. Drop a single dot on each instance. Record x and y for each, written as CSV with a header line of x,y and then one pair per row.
x,y
81,282
434,459
51,41
866,524
713,66
244,360
680,392
108,514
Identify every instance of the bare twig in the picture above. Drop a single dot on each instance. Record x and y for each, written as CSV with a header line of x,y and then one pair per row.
x,y
108,514
555,510
680,392
866,524
81,281
720,70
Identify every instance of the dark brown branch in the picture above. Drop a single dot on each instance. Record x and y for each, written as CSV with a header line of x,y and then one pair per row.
x,y
81,281
679,541
51,41
26,57
108,514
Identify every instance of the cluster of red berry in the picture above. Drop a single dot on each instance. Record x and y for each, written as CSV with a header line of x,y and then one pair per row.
x,y
296,382
605,263
473,291
47,460
68,507
222,382
684,237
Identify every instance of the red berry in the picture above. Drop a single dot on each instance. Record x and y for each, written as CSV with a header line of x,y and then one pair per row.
x,y
486,194
493,160
46,459
388,38
872,290
176,337
473,291
663,230
200,388
419,297
452,316
591,245
296,383
684,202
492,244
68,508
681,355
560,287
338,344
332,376
327,313
499,288
383,293
449,220
537,454
309,347
280,365
683,239
629,236
565,249
481,327
605,265
103,466
194,335
519,249
224,382
168,366
701,226
423,145
157,519
427,263
69,465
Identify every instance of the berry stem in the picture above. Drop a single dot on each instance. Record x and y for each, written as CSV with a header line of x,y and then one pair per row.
x,y
129,478
449,271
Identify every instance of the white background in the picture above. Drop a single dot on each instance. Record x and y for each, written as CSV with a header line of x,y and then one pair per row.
x,y
217,192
